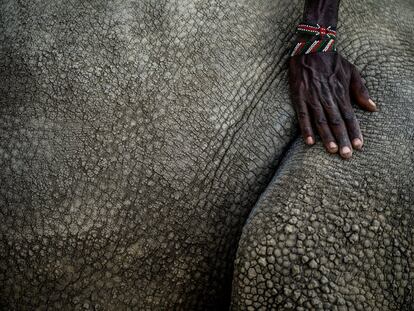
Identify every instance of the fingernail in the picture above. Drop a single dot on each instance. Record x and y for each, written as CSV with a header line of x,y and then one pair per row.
x,y
332,145
309,140
373,104
357,143
346,152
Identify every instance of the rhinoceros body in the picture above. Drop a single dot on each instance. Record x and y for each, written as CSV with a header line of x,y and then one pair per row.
x,y
136,138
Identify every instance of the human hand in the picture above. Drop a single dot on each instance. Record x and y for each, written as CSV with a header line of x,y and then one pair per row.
x,y
321,87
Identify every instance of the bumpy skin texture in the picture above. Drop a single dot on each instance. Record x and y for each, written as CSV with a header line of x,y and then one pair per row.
x,y
135,138
329,234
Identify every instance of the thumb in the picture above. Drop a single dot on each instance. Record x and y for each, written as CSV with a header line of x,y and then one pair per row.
x,y
360,92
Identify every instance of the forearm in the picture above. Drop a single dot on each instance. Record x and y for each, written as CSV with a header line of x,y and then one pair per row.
x,y
322,12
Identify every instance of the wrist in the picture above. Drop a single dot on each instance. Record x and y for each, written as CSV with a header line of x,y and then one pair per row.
x,y
317,32
322,12
312,39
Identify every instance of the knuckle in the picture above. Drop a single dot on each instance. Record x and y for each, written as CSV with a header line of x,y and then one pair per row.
x,y
362,89
315,106
336,120
349,116
307,130
302,114
329,104
321,120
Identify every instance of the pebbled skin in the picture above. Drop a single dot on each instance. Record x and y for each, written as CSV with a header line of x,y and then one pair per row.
x,y
329,234
135,138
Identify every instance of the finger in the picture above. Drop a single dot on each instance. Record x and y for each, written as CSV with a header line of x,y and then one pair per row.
x,y
360,92
305,123
337,125
343,121
331,110
302,113
351,122
322,126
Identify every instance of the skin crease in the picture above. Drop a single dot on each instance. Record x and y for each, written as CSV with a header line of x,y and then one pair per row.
x,y
137,137
327,233
322,85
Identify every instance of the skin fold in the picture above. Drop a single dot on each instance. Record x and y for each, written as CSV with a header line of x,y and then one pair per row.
x,y
137,136
329,234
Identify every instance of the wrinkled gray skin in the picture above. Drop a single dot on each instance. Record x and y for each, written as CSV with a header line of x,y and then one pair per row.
x,y
137,136
329,234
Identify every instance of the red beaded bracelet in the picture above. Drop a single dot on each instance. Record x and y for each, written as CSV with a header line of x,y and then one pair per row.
x,y
323,39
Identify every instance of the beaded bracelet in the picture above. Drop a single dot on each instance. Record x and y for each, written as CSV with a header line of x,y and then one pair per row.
x,y
323,39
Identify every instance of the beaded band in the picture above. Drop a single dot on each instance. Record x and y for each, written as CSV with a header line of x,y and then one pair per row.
x,y
323,39
316,30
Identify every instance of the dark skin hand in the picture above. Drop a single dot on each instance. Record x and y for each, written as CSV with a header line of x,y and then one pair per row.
x,y
322,85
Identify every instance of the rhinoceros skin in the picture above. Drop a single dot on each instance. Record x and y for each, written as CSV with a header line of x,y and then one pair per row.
x,y
328,234
136,137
